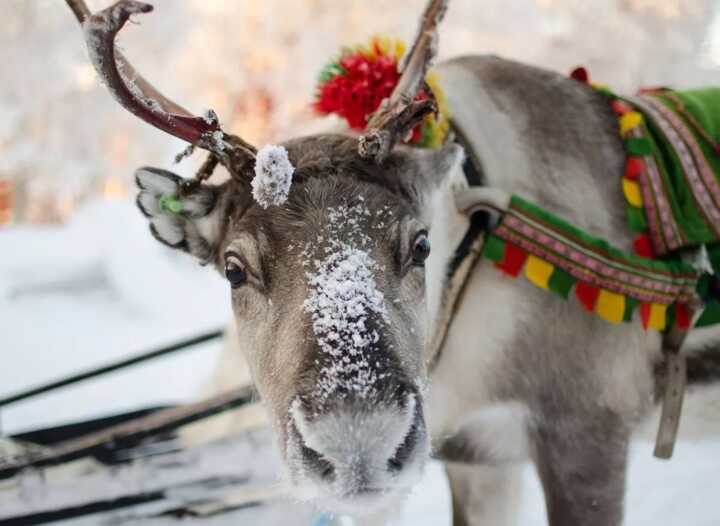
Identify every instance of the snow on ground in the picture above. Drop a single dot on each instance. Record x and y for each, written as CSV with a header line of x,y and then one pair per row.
x,y
101,288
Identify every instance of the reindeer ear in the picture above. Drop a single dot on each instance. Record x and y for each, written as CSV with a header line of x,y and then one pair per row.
x,y
187,223
439,163
429,168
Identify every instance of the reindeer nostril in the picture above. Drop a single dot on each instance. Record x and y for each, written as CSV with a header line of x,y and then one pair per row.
x,y
395,464
315,461
405,449
328,472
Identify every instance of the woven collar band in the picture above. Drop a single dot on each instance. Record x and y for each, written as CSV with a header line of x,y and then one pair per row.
x,y
555,255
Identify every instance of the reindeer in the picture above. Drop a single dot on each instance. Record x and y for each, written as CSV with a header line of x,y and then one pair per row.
x,y
335,291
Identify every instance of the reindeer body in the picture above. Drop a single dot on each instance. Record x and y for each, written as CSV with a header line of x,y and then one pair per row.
x,y
519,361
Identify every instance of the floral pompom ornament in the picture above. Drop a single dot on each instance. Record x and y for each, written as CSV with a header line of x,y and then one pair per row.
x,y
354,85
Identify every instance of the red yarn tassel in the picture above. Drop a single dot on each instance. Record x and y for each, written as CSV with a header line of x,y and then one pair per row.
x,y
587,294
682,316
620,108
513,260
643,246
645,314
634,167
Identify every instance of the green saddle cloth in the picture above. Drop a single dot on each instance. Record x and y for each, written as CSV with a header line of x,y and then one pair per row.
x,y
681,183
679,144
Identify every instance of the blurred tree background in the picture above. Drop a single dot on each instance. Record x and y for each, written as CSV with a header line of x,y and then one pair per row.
x,y
63,140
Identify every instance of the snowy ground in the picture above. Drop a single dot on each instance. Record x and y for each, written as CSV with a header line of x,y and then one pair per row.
x,y
99,288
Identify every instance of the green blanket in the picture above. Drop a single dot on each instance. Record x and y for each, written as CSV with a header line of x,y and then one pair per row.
x,y
680,184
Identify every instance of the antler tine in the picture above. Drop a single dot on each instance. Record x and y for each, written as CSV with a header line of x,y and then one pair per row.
x,y
139,97
399,113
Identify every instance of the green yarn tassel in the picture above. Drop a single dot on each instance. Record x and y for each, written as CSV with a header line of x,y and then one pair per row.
x,y
630,305
637,220
494,248
638,146
561,282
170,203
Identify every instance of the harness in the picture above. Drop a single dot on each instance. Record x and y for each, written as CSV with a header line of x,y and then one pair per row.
x,y
671,183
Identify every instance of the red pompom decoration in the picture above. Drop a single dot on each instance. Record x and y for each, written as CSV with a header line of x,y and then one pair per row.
x,y
359,91
580,74
354,86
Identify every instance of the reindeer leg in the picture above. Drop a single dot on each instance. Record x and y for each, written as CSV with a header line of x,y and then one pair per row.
x,y
581,460
484,495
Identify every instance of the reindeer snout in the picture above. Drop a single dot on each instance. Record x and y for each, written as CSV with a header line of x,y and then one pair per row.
x,y
357,451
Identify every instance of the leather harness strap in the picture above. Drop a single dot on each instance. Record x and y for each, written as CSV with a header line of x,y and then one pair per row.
x,y
466,254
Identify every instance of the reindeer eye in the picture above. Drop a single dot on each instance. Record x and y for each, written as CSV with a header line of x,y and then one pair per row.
x,y
421,249
235,274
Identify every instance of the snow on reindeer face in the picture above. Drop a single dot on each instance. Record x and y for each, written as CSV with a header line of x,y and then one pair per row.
x,y
327,287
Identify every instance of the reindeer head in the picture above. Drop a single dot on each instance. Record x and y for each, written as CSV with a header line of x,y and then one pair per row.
x,y
327,284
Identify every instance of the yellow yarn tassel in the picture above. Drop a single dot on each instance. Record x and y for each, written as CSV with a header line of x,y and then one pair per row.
x,y
658,316
538,271
629,121
610,306
632,192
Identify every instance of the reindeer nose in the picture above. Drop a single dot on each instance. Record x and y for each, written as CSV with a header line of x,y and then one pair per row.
x,y
355,448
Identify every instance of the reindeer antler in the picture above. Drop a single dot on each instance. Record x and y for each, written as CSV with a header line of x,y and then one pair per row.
x,y
139,97
399,114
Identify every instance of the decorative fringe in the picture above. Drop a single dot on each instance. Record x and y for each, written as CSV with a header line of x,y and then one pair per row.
x,y
632,130
608,305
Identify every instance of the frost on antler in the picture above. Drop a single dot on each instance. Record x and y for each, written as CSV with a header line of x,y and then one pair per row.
x,y
139,97
132,91
400,113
